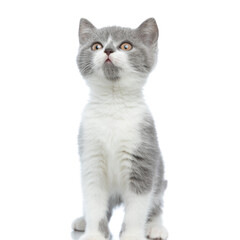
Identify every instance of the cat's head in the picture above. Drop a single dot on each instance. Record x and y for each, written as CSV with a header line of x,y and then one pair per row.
x,y
117,54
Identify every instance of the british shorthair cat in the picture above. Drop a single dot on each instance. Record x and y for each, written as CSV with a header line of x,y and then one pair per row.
x,y
120,158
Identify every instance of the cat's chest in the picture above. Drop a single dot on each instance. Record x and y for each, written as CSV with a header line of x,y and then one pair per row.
x,y
114,127
114,135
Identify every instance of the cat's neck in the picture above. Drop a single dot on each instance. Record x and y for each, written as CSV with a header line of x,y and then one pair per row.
x,y
116,96
117,93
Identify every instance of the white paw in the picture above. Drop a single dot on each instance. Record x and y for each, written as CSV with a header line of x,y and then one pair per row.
x,y
79,224
92,237
157,232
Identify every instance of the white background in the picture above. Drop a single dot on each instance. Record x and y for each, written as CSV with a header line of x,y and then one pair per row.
x,y
193,94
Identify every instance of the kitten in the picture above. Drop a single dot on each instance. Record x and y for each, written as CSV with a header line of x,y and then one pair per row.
x,y
120,157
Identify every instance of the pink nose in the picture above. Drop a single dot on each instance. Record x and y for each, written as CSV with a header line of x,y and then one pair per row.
x,y
108,51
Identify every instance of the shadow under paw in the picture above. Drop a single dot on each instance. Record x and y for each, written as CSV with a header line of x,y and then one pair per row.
x,y
76,235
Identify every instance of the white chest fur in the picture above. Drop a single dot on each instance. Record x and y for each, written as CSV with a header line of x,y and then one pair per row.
x,y
112,130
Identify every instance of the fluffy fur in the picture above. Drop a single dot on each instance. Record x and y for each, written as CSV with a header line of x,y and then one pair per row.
x,y
120,157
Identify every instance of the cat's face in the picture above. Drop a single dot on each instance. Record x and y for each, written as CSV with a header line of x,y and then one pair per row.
x,y
116,53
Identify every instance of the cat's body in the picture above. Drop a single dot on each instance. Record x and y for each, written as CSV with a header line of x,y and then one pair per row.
x,y
120,157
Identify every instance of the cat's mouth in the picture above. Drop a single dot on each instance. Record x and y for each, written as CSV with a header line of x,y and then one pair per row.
x,y
108,60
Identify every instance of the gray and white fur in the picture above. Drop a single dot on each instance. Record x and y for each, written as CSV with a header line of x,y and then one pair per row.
x,y
121,161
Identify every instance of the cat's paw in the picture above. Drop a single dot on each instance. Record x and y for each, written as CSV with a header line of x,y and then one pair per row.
x,y
157,232
79,224
93,236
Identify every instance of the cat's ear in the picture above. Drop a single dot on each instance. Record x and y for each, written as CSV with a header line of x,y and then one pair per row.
x,y
85,30
148,31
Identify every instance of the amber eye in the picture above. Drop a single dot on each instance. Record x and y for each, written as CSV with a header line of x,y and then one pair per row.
x,y
96,46
126,46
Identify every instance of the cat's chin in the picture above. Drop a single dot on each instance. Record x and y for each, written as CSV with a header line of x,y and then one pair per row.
x,y
111,71
108,61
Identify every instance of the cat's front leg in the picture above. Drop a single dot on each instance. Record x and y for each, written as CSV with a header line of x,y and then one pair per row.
x,y
95,197
136,210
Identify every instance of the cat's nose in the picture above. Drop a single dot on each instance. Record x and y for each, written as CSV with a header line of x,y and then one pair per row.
x,y
108,51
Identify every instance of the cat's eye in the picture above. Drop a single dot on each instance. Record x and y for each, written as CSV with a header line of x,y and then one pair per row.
x,y
126,46
96,46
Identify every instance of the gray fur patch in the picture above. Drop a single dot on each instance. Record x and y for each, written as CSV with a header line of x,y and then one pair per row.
x,y
111,46
155,211
111,71
103,228
113,202
157,204
147,166
85,61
